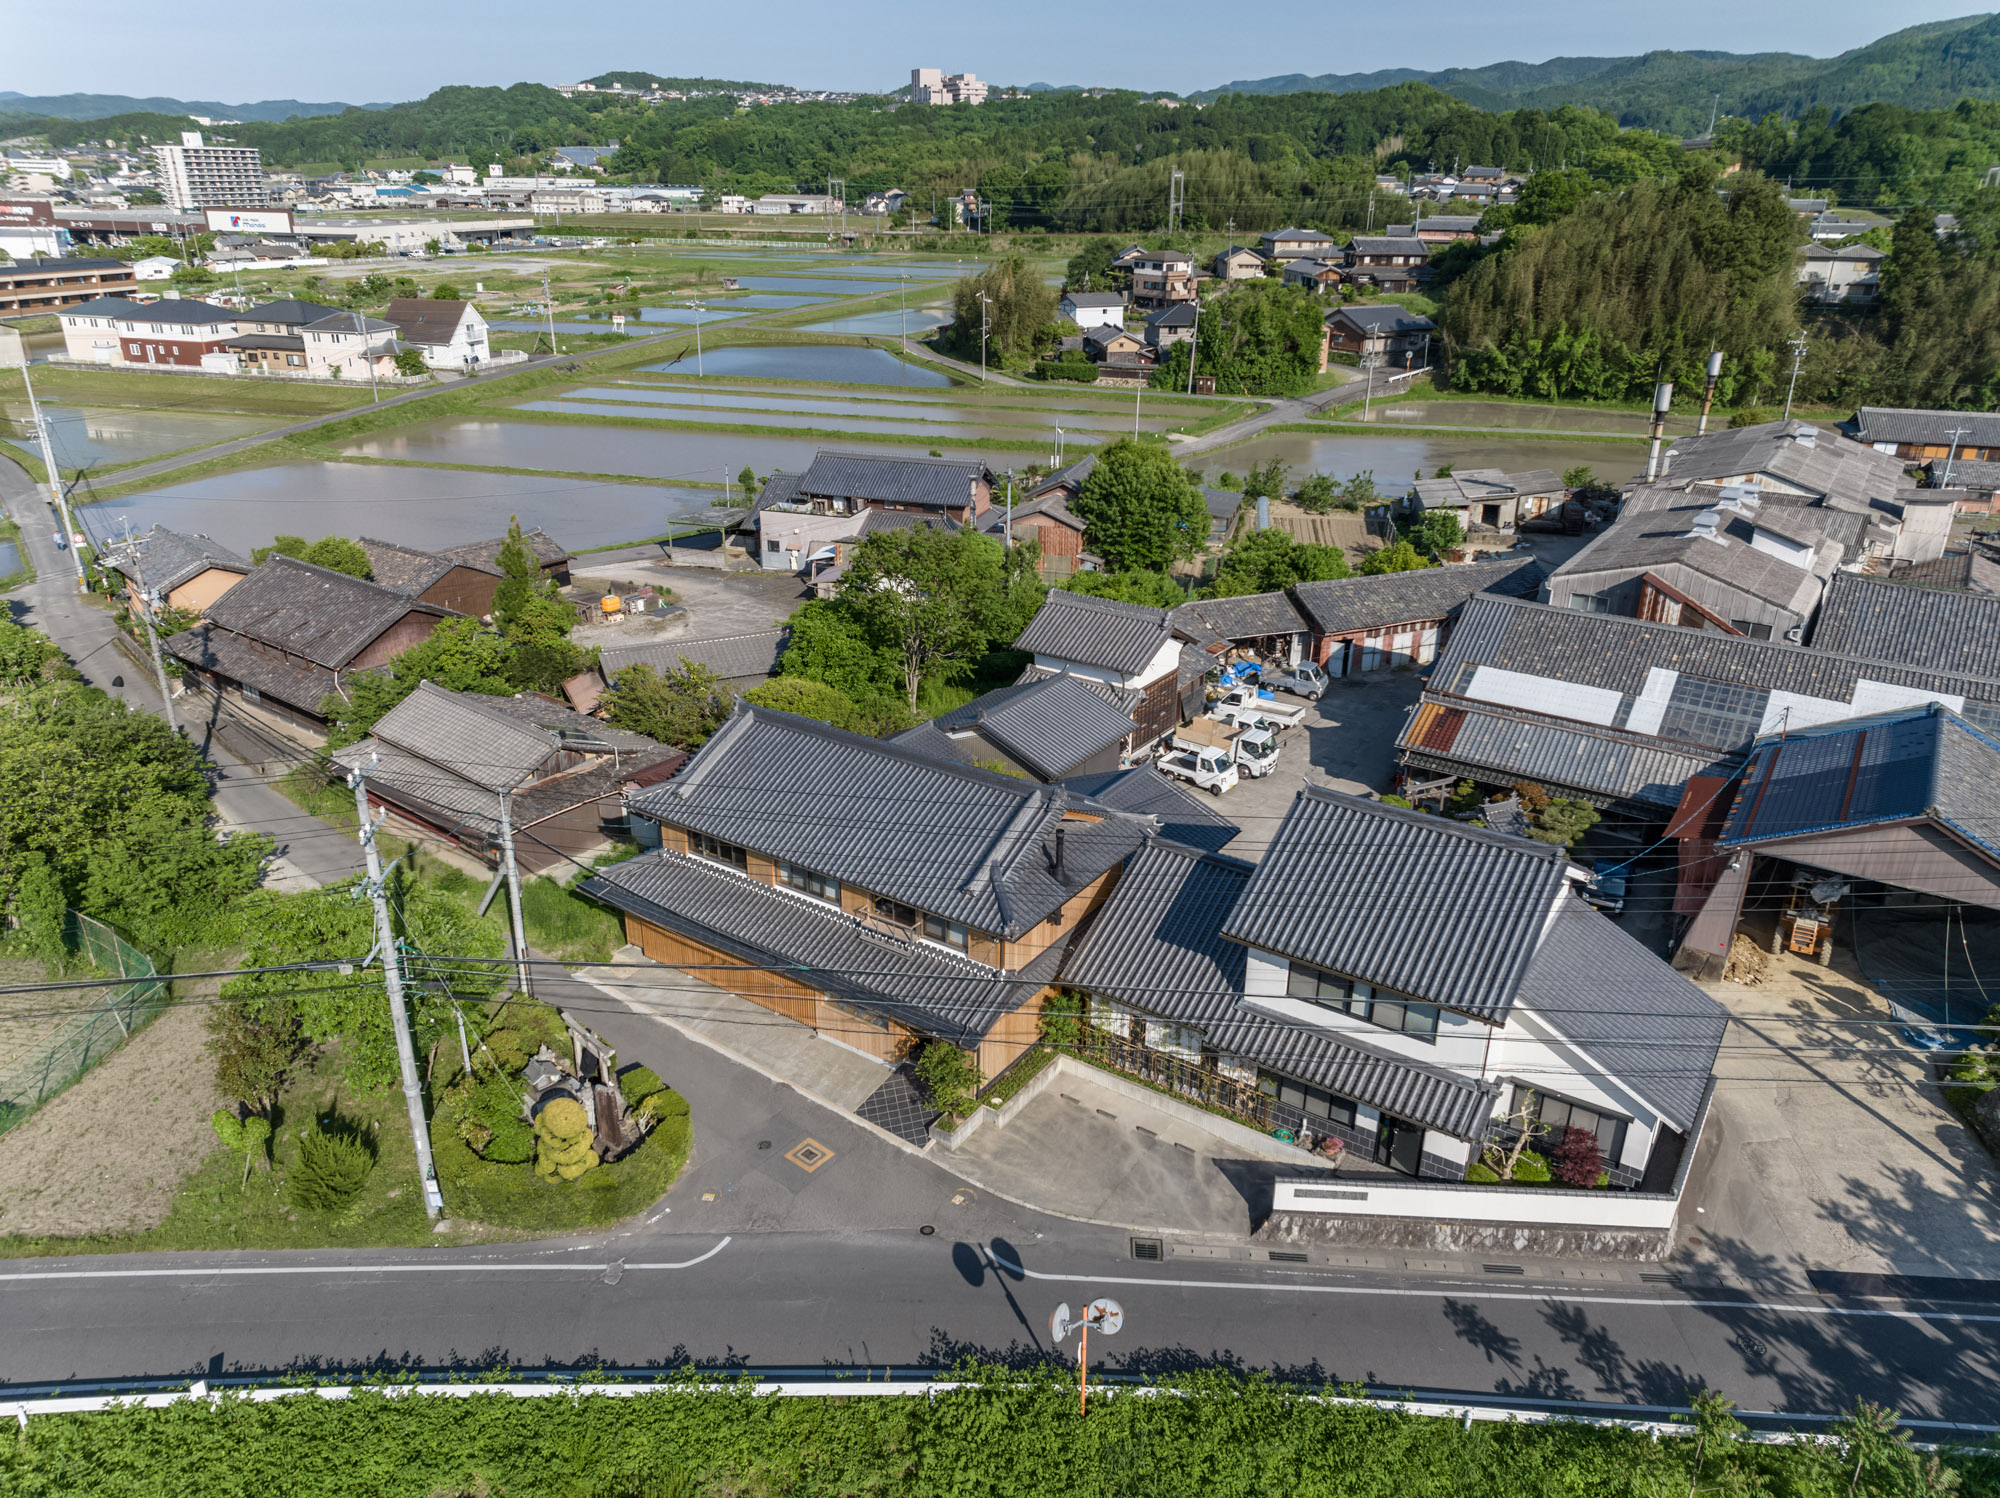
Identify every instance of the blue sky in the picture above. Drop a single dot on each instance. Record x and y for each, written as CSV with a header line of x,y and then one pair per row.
x,y
389,49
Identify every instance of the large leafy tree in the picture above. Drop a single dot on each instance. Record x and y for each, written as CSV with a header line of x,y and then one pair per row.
x,y
1017,307
460,654
1259,338
534,619
1265,561
1141,510
1153,590
679,707
335,553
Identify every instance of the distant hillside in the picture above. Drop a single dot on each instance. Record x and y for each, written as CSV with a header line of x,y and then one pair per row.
x,y
1931,66
683,85
103,106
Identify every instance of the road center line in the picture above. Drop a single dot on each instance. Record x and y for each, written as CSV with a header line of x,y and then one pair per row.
x,y
509,1267
1480,1292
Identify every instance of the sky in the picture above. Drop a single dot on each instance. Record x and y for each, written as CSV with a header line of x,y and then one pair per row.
x,y
389,50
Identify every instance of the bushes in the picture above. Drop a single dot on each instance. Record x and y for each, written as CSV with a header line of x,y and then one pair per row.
x,y
513,1197
564,1148
564,923
1080,370
949,1078
332,1168
1578,1161
637,1083
487,1115
1531,1169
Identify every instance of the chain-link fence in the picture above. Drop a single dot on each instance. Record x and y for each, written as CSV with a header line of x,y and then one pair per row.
x,y
118,1009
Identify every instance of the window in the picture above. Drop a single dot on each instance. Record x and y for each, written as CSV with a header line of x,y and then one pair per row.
x,y
774,545
949,932
1561,1113
807,882
896,912
704,846
1590,603
1364,1001
1308,1100
1752,631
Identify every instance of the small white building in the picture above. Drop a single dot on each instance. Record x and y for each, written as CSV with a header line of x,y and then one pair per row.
x,y
1094,309
449,334
155,268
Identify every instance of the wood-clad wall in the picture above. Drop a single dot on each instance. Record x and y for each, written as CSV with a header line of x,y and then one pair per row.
x,y
1025,948
1011,1035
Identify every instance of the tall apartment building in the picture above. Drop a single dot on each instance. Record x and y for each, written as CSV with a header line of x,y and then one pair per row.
x,y
934,86
194,176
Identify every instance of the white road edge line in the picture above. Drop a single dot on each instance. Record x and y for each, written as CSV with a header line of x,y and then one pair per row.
x,y
1470,1292
509,1267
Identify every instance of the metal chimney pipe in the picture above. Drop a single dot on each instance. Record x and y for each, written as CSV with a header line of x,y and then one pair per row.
x,y
1708,396
1059,853
1663,400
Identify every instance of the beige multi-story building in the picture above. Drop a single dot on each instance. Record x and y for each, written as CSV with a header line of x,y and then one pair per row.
x,y
194,176
935,86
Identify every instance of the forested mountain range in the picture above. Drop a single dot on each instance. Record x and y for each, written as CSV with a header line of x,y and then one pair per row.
x,y
103,106
1931,66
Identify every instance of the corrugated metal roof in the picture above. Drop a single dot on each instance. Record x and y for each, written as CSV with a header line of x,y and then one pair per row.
x,y
451,730
1649,1028
327,617
1928,428
1101,632
731,657
1424,906
932,990
958,842
1603,764
945,482
1897,621
1357,603
1661,538
1827,466
1049,727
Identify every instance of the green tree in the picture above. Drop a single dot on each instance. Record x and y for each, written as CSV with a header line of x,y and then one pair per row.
x,y
680,707
1265,561
1153,590
253,1053
1141,510
1266,481
1438,532
444,291
410,362
747,482
1089,269
826,646
1317,495
949,1077
1549,195
1582,476
1358,493
1401,557
808,699
1019,312
534,619
335,553
459,655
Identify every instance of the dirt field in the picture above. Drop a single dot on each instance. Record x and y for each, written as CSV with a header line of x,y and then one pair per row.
x,y
106,1155
28,1019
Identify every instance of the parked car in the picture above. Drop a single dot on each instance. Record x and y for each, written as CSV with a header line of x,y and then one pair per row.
x,y
1305,680
1247,705
1606,891
1212,770
1253,750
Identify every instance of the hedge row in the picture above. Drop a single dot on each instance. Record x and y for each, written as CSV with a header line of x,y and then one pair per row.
x,y
1011,1436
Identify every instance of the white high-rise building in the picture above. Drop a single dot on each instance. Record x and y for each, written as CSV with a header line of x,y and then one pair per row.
x,y
934,86
194,176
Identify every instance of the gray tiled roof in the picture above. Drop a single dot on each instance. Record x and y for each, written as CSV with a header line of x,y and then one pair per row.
x,y
1661,538
1427,1095
486,554
1605,764
1617,653
1182,816
1070,478
217,650
1093,298
1247,617
402,568
874,522
1830,466
1382,319
327,617
1892,767
1049,726
779,489
1050,502
1356,603
425,319
1980,477
290,311
731,657
162,559
961,843
456,732
944,482
926,987
1392,244
1157,943
1930,428
1643,1023
1944,627
1450,914
1101,632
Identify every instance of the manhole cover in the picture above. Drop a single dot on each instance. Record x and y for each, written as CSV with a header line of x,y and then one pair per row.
x,y
708,1196
927,1230
763,1144
808,1155
964,1198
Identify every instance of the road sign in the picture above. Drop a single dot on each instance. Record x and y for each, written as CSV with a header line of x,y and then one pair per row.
x,y
1059,1323
1104,1315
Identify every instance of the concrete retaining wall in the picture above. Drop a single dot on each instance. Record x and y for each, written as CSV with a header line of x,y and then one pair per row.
x,y
1466,1238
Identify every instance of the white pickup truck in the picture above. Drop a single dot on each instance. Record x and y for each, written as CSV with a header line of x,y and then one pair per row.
x,y
1245,706
1213,770
1253,750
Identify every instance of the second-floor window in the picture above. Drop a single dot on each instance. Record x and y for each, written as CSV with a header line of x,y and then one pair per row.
x,y
934,927
808,882
1364,1001
704,846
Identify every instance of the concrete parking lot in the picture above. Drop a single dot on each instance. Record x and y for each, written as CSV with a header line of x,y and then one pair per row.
x,y
1347,742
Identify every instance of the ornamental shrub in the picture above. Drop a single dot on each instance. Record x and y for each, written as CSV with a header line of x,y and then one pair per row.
x,y
1578,1162
564,1148
637,1083
1481,1174
332,1168
661,1107
1531,1169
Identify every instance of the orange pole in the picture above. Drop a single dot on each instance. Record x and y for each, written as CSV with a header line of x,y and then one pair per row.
x,y
1083,1371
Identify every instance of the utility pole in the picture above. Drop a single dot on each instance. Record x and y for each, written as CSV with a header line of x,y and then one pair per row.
x,y
1194,344
1368,364
1176,199
392,980
519,935
148,602
1951,452
697,309
56,496
1798,357
903,289
985,322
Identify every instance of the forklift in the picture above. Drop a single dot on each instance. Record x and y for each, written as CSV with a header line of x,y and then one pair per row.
x,y
1805,922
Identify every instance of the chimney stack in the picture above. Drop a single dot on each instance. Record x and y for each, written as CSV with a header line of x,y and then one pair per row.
x,y
1663,401
1708,396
